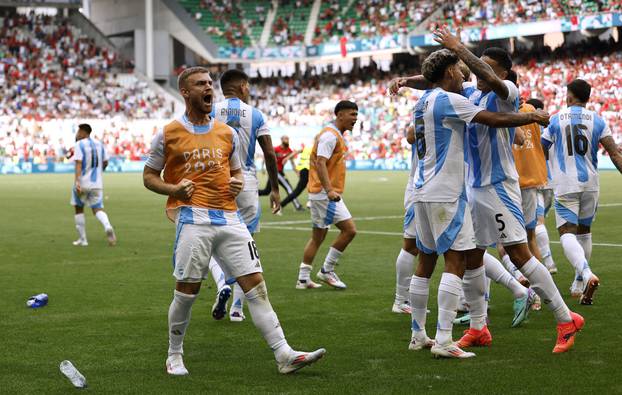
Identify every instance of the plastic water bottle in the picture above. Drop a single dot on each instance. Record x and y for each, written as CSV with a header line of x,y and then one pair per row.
x,y
76,378
37,301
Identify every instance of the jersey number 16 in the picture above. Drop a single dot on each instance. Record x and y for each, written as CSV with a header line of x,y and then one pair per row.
x,y
575,141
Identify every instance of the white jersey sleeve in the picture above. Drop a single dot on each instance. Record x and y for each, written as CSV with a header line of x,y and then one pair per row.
x,y
259,123
234,158
78,154
156,154
464,110
513,93
326,145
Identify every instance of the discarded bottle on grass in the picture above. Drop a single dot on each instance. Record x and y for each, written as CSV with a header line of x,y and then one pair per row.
x,y
37,301
76,378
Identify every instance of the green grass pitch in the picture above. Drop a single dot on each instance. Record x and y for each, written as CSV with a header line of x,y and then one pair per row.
x,y
108,306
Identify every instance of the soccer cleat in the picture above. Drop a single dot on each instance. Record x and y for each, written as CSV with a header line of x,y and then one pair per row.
x,y
576,289
566,333
449,350
175,365
298,360
588,293
551,267
401,308
475,338
417,344
522,307
331,279
80,243
219,309
464,320
236,316
537,303
112,238
307,284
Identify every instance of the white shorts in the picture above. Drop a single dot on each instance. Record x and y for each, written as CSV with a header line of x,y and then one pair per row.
x,y
497,214
231,245
410,225
529,197
545,201
94,198
250,209
324,213
444,226
576,208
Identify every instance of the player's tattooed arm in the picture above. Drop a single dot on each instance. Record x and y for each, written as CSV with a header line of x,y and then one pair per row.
x,y
511,119
265,142
183,190
414,82
612,150
480,68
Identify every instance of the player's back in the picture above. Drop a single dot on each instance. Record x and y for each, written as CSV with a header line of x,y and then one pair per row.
x,y
250,124
440,124
575,133
92,154
489,149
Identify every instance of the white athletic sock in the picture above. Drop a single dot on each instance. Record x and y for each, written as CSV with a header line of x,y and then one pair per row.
x,y
179,314
542,283
217,274
496,272
103,218
509,265
576,255
542,239
238,298
404,266
419,291
331,259
80,225
266,321
304,272
448,295
487,295
586,243
474,286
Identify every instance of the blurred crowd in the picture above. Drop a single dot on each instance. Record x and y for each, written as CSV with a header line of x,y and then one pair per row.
x,y
49,69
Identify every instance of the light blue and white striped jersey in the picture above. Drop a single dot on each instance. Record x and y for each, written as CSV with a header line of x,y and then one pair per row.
x,y
573,136
440,125
489,150
92,154
250,123
409,194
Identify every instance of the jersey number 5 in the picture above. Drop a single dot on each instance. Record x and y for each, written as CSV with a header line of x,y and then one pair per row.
x,y
420,137
575,141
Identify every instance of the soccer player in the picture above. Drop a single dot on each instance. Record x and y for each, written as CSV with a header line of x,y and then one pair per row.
x,y
251,127
202,175
283,154
303,175
443,216
91,159
495,198
327,179
404,265
572,141
545,201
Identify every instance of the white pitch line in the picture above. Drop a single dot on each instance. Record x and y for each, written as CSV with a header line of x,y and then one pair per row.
x,y
380,233
609,205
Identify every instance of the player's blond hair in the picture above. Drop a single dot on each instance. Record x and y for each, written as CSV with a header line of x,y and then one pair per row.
x,y
183,77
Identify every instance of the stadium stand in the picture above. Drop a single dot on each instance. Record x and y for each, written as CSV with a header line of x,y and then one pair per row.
x,y
291,21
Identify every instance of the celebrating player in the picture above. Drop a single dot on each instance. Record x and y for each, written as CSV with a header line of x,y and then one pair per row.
x,y
202,175
251,127
327,179
574,135
494,190
91,159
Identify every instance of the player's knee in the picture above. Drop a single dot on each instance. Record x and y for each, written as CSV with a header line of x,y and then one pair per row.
x,y
567,228
519,254
410,246
188,288
583,229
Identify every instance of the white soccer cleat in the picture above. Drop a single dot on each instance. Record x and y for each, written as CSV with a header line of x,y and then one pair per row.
x,y
576,289
450,350
175,365
298,360
420,342
237,316
307,284
331,279
112,238
401,308
80,243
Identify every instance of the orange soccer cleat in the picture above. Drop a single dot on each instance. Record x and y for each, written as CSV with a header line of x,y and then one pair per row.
x,y
566,333
475,338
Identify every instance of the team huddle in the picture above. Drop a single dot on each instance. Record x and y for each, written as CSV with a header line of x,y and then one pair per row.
x,y
464,194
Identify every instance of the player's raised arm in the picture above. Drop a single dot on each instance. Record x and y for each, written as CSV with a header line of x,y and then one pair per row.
x,y
480,68
511,119
414,82
612,150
